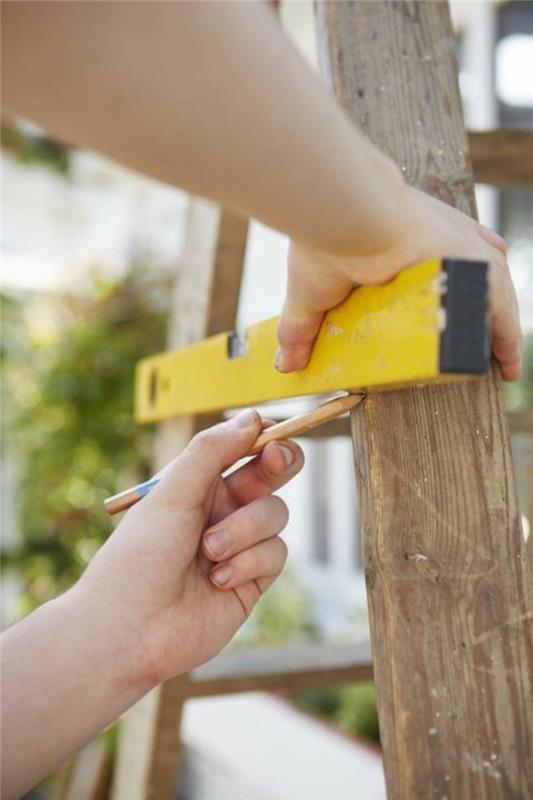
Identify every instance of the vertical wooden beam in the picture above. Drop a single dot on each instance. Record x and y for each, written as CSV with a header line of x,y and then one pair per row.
x,y
91,773
205,301
450,598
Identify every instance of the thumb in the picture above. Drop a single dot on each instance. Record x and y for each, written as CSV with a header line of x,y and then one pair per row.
x,y
296,334
315,282
190,476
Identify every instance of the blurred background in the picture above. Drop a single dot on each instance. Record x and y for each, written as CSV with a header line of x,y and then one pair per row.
x,y
89,251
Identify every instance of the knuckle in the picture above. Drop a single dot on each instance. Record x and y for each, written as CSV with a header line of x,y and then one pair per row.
x,y
283,554
273,515
283,337
502,244
503,266
281,510
255,527
380,273
297,332
263,478
289,338
251,565
203,440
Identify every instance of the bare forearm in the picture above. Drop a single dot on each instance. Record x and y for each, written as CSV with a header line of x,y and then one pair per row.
x,y
152,604
208,96
67,672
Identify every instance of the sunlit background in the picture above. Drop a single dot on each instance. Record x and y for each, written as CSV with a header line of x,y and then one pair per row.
x,y
89,250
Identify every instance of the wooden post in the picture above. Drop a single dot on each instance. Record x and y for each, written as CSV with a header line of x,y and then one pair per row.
x,y
205,301
502,157
450,598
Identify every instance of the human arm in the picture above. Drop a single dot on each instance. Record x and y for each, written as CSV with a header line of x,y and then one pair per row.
x,y
208,96
149,605
212,97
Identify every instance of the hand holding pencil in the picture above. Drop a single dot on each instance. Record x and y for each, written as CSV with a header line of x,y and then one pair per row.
x,y
294,426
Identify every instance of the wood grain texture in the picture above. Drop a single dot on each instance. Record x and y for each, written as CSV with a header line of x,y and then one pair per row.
x,y
450,597
205,301
520,422
227,273
502,157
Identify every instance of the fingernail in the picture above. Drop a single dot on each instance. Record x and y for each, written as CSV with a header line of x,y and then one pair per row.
x,y
222,575
280,362
283,364
245,419
217,542
288,455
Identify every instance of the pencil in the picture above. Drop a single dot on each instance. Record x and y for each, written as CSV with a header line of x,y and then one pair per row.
x,y
294,426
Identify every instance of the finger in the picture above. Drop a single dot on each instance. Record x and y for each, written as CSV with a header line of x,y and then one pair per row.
x,y
267,422
507,347
493,238
507,339
262,519
264,583
264,560
190,476
296,335
261,476
314,284
249,593
277,463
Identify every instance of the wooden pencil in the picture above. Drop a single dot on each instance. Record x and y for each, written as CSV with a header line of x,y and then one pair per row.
x,y
288,428
295,426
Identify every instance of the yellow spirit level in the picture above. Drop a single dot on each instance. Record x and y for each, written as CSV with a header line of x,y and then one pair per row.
x,y
429,323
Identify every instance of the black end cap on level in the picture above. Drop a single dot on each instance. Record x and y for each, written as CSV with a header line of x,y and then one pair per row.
x,y
465,341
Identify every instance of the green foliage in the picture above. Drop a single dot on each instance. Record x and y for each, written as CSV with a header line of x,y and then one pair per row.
x,y
68,368
358,711
31,149
325,700
281,616
352,707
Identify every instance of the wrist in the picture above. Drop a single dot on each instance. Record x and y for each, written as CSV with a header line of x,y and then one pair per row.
x,y
373,223
410,244
115,641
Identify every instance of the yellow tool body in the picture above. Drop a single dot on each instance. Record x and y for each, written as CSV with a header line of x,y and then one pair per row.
x,y
379,337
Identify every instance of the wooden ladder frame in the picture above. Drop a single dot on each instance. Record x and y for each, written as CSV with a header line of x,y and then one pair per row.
x,y
450,595
205,300
450,598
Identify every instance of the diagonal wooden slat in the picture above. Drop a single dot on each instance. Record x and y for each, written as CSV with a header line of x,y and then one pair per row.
x,y
205,298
